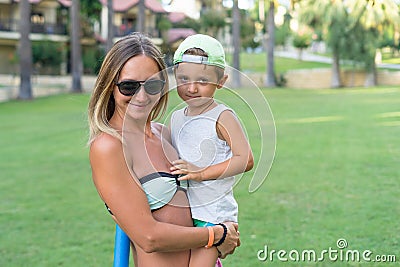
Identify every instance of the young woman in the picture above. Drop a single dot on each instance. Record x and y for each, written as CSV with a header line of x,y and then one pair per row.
x,y
130,165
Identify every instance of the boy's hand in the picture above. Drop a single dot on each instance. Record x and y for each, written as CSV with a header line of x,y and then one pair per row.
x,y
189,171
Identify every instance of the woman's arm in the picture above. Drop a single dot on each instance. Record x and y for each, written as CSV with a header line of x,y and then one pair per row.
x,y
126,199
230,130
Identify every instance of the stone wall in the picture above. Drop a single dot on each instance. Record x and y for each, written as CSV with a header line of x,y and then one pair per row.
x,y
318,78
389,78
321,78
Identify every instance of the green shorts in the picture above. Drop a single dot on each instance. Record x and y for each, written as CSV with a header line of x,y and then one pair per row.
x,y
200,223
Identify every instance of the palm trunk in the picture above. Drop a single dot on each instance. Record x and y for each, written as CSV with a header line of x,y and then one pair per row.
x,y
110,24
76,48
335,83
371,77
25,51
141,16
270,81
236,44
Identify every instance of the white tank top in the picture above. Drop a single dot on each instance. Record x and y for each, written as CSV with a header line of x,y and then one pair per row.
x,y
197,141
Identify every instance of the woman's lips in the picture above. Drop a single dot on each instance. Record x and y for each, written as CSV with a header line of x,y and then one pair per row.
x,y
138,105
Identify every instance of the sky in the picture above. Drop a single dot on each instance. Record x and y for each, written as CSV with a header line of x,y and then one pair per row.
x,y
188,6
243,4
246,4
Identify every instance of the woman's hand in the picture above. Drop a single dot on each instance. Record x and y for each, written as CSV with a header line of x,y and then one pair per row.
x,y
187,170
231,241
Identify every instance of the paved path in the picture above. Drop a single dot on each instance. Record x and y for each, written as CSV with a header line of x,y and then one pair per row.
x,y
42,85
306,56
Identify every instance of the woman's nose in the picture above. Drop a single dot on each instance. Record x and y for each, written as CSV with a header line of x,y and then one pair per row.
x,y
141,94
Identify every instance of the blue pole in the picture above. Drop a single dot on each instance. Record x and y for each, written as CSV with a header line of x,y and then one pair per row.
x,y
121,248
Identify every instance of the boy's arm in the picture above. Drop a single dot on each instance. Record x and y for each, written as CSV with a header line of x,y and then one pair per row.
x,y
230,130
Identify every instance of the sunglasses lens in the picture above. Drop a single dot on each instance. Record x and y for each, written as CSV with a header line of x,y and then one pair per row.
x,y
128,88
154,87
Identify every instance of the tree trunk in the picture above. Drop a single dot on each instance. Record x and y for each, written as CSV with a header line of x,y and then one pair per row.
x,y
141,16
110,25
300,54
76,53
335,83
270,81
371,77
25,51
236,44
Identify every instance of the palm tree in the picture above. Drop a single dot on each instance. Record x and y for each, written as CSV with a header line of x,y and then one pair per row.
x,y
353,29
141,16
25,51
76,53
270,76
110,24
372,17
328,16
270,80
236,43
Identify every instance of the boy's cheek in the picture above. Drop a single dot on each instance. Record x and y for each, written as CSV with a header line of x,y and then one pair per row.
x,y
181,92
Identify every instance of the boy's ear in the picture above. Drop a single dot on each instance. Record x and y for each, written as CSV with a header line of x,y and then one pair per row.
x,y
222,81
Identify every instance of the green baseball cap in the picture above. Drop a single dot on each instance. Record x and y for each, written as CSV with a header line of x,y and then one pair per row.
x,y
210,45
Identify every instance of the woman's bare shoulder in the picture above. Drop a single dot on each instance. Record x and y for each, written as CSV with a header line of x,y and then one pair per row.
x,y
105,143
106,156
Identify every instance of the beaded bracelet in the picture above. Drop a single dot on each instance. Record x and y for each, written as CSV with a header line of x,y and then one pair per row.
x,y
219,243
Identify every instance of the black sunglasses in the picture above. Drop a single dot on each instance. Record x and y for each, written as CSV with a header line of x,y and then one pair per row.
x,y
131,87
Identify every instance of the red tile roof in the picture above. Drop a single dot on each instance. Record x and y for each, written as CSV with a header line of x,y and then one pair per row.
x,y
175,17
179,33
31,1
63,2
124,5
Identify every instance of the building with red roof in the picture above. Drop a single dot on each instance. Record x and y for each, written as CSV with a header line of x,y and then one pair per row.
x,y
48,22
126,17
126,5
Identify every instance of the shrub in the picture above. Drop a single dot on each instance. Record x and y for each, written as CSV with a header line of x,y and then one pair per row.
x,y
47,53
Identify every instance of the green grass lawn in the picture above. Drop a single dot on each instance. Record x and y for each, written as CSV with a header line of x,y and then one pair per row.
x,y
336,175
389,58
391,61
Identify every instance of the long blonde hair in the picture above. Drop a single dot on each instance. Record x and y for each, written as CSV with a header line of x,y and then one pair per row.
x,y
102,103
